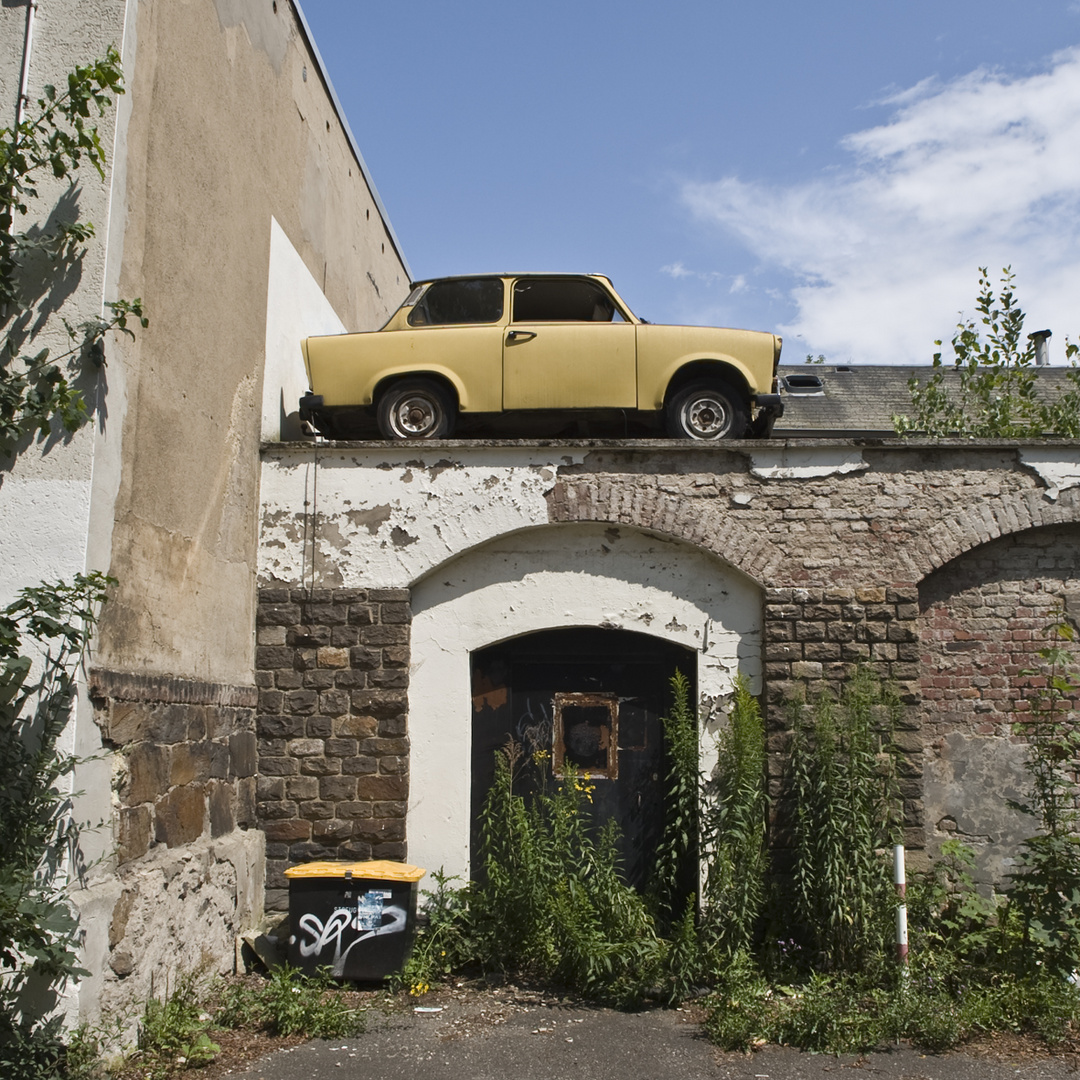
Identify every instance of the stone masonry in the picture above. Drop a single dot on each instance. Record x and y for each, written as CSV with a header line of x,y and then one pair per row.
x,y
188,858
333,673
187,761
940,563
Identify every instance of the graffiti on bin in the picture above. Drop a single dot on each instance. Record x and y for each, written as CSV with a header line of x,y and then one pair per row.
x,y
365,917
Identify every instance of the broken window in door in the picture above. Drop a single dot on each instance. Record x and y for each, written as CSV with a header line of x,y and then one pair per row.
x,y
586,734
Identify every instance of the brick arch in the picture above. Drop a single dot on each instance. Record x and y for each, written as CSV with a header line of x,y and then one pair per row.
x,y
748,550
980,522
983,618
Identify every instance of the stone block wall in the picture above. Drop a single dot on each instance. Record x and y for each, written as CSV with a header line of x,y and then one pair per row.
x,y
814,638
186,762
189,871
333,673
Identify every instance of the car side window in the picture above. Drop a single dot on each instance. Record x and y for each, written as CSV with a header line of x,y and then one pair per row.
x,y
467,300
563,300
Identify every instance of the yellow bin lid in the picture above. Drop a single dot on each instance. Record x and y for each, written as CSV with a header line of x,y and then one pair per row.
x,y
379,869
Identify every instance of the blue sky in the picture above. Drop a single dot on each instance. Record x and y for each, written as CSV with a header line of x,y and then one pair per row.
x,y
835,171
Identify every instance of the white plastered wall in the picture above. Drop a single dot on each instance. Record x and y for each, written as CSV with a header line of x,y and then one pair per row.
x,y
545,578
295,309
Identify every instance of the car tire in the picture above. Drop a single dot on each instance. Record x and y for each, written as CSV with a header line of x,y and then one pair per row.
x,y
416,409
706,410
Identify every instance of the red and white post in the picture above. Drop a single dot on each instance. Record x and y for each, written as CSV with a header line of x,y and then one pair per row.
x,y
900,880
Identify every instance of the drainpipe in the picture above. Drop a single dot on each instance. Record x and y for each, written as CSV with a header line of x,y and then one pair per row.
x,y
1042,349
24,79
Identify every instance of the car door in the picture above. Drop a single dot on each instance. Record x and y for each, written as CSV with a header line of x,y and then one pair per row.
x,y
568,346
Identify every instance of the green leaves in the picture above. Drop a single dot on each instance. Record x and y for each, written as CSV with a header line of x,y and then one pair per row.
x,y
676,855
843,781
57,139
36,391
735,828
38,931
997,393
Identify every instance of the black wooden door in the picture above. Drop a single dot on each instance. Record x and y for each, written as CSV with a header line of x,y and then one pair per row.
x,y
590,697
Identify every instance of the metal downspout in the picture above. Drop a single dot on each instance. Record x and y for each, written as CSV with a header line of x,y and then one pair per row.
x,y
24,79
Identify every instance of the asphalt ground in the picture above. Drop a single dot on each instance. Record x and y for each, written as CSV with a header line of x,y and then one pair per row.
x,y
504,1034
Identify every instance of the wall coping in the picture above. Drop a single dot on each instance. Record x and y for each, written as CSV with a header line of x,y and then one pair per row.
x,y
738,446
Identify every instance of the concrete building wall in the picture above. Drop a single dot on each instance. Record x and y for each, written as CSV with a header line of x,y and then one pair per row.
x,y
790,561
237,208
45,493
233,141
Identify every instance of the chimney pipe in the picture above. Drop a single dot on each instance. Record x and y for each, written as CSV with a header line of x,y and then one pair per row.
x,y
1042,349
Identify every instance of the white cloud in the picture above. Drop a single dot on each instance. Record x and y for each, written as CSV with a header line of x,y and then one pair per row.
x,y
981,171
676,270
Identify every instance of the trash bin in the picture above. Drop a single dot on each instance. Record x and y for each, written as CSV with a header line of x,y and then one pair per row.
x,y
358,919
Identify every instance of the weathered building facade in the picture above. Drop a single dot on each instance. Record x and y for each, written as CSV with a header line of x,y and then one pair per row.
x,y
237,206
385,572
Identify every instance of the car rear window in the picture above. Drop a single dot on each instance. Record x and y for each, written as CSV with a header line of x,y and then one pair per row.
x,y
563,300
469,300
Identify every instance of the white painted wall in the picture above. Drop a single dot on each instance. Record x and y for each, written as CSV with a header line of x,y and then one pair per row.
x,y
539,579
385,516
295,308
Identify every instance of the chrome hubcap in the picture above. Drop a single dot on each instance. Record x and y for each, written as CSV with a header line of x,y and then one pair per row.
x,y
415,416
707,417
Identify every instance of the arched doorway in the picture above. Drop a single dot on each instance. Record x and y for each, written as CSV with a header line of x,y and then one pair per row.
x,y
592,698
591,577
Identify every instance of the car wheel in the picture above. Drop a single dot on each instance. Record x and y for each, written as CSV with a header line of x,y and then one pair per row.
x,y
416,409
707,410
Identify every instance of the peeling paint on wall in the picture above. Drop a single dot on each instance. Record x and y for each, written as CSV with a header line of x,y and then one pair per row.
x,y
387,521
788,463
1059,469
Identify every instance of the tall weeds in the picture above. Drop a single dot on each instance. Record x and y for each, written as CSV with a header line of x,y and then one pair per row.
x,y
735,829
843,783
675,875
553,902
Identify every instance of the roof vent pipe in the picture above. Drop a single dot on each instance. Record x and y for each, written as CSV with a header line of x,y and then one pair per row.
x,y
1042,349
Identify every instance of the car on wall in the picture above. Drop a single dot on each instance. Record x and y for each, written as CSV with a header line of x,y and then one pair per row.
x,y
538,344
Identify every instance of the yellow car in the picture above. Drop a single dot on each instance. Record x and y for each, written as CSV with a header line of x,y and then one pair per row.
x,y
536,344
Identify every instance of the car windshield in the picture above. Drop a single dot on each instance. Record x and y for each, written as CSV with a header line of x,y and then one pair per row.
x,y
465,300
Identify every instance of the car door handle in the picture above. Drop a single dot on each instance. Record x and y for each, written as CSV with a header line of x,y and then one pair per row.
x,y
520,335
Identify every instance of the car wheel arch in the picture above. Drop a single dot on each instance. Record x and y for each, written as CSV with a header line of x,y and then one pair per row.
x,y
452,385
697,370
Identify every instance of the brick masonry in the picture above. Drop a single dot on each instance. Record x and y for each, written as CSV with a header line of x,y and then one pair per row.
x,y
186,762
333,673
983,620
939,563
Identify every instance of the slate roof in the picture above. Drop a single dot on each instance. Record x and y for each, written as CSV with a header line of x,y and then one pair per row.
x,y
858,401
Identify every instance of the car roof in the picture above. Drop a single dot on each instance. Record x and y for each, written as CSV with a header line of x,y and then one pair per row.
x,y
473,277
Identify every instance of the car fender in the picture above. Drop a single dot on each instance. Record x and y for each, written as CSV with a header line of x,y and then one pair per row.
x,y
383,378
666,351
654,394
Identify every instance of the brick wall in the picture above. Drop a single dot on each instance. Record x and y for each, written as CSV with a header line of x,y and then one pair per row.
x,y
815,638
187,758
333,673
983,620
921,559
